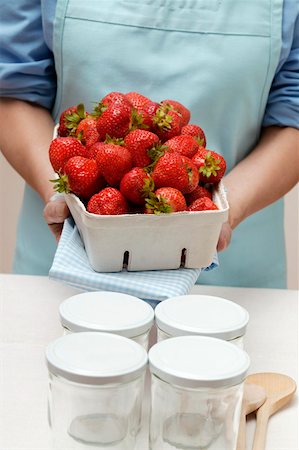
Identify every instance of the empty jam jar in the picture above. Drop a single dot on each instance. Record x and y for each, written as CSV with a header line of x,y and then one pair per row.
x,y
109,312
196,393
96,383
201,315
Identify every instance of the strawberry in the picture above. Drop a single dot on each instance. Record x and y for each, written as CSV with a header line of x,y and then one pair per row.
x,y
136,185
198,192
143,146
137,100
109,201
183,144
148,112
80,176
69,120
181,109
87,131
202,204
171,170
197,133
114,115
165,200
166,123
193,175
113,162
63,148
210,164
145,110
93,150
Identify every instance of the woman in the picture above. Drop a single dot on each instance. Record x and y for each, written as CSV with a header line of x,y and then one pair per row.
x,y
234,64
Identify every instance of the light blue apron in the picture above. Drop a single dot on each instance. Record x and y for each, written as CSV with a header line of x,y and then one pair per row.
x,y
216,57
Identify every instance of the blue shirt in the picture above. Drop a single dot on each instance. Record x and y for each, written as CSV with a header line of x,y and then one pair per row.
x,y
27,69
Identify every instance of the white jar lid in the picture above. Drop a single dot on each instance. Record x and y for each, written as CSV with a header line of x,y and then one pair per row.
x,y
110,312
202,315
96,358
198,362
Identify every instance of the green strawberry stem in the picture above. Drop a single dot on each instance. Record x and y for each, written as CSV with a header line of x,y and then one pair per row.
x,y
136,121
155,154
157,204
74,118
210,166
162,119
61,184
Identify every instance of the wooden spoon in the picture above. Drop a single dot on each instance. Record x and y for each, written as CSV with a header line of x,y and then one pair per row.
x,y
279,390
253,398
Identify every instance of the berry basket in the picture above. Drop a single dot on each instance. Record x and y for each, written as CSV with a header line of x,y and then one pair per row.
x,y
148,241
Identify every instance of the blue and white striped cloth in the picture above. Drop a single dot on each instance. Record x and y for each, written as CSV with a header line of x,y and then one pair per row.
x,y
71,266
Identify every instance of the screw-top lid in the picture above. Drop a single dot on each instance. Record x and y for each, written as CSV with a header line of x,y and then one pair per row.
x,y
198,362
96,358
110,312
202,315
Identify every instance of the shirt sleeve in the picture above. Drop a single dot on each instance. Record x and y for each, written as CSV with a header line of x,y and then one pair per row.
x,y
283,102
27,69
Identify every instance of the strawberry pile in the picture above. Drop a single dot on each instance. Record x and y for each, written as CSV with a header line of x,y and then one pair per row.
x,y
133,155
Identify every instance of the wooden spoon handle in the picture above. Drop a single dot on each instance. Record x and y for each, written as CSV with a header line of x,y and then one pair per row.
x,y
262,418
241,442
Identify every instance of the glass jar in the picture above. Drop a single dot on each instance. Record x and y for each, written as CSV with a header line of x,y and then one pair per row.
x,y
196,393
96,383
201,315
109,312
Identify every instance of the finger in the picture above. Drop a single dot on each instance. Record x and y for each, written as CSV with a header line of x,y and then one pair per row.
x,y
224,238
56,212
56,229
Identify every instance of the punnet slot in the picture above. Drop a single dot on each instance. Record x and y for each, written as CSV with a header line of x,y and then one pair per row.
x,y
126,259
183,257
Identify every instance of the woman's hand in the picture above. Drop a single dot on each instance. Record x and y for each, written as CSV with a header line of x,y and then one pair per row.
x,y
55,213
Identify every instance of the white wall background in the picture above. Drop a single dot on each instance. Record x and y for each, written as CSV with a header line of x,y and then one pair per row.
x,y
11,191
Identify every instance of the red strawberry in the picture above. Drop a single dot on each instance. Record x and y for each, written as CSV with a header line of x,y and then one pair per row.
x,y
136,185
165,200
145,110
108,201
93,150
181,109
114,115
143,146
81,176
196,132
113,162
148,112
210,164
69,120
193,175
87,131
137,100
171,171
183,144
63,148
202,204
198,192
166,123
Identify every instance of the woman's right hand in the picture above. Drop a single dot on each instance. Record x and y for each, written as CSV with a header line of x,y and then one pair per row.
x,y
55,213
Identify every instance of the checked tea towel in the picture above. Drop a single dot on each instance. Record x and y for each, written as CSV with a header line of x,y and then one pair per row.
x,y
71,266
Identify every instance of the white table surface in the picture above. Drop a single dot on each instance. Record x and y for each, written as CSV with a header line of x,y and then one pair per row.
x,y
29,321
